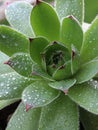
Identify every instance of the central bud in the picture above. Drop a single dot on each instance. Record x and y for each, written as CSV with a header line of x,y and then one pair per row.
x,y
57,59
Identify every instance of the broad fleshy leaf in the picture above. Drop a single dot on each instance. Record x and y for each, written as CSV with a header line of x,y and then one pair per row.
x,y
12,85
21,63
18,15
70,7
86,95
71,33
4,68
89,120
39,94
45,22
22,120
12,42
90,46
87,71
37,46
63,85
38,71
61,114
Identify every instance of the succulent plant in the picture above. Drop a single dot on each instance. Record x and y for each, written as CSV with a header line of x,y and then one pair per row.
x,y
50,64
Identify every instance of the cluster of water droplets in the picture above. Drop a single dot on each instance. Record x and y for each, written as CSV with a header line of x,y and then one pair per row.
x,y
11,85
38,95
66,8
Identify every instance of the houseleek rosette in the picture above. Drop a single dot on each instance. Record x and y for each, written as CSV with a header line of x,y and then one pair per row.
x,y
53,68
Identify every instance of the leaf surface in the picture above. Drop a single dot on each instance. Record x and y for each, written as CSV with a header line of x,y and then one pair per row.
x,y
39,94
62,85
37,46
18,15
71,33
70,7
87,71
22,120
45,22
60,114
90,46
12,85
12,42
21,63
86,95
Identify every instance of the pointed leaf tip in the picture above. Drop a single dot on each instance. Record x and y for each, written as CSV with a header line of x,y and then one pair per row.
x,y
65,91
28,107
38,1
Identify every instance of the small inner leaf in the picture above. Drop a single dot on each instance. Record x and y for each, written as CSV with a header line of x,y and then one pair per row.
x,y
63,85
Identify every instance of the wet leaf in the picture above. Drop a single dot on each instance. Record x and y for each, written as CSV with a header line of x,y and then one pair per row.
x,y
86,95
90,46
60,114
70,7
39,94
45,22
63,85
71,33
18,15
87,71
12,85
12,42
21,63
22,120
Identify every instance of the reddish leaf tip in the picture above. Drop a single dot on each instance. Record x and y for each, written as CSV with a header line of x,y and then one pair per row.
x,y
65,91
38,1
6,62
28,107
61,67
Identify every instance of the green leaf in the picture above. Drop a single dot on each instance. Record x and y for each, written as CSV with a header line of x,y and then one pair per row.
x,y
63,72
70,7
4,103
63,85
18,15
12,85
91,10
4,68
87,71
22,120
39,94
38,71
21,63
71,33
45,22
90,46
12,42
62,114
89,120
37,46
86,95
